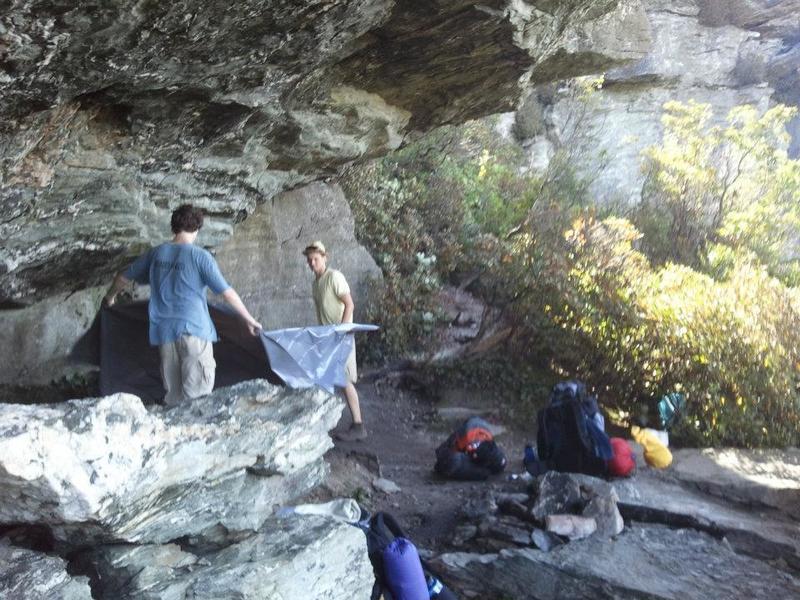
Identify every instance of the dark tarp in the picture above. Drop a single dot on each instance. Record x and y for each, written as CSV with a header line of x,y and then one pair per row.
x,y
128,363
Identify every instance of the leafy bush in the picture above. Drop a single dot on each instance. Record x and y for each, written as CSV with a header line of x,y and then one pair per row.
x,y
694,295
636,332
430,213
736,185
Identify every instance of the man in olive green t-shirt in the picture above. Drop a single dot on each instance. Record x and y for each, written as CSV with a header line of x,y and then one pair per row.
x,y
334,305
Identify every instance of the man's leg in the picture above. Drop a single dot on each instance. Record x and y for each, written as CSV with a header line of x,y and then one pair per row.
x,y
351,395
171,373
357,430
198,367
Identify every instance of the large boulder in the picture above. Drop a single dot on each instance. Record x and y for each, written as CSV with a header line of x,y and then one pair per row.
x,y
299,557
112,116
747,496
758,478
108,469
36,576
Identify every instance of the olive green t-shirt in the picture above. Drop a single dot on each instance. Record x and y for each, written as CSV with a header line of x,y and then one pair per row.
x,y
326,291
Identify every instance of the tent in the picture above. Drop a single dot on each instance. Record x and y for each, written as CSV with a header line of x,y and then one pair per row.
x,y
128,363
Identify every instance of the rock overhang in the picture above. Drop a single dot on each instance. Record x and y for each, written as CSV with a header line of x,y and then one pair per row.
x,y
114,115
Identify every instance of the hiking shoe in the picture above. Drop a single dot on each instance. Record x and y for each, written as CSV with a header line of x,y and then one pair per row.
x,y
356,433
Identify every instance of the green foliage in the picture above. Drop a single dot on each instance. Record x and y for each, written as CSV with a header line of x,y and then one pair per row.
x,y
694,295
731,346
430,213
709,185
403,233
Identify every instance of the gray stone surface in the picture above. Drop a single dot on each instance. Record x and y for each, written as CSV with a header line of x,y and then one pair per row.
x,y
571,527
109,470
263,259
762,533
29,575
556,493
649,562
714,51
37,341
112,116
299,557
760,478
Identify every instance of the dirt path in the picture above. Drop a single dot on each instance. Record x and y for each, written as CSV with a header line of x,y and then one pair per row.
x,y
404,432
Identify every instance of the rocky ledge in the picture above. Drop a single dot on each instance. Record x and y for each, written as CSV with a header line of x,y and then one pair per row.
x,y
110,470
717,524
154,503
111,116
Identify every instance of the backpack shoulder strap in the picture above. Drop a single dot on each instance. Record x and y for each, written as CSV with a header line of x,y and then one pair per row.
x,y
386,521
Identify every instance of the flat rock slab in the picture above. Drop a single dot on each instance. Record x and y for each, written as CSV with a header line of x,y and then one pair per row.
x,y
298,557
646,562
106,470
36,576
765,533
754,477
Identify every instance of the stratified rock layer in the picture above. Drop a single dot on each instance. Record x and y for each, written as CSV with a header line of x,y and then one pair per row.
x,y
299,557
110,470
721,52
114,115
36,576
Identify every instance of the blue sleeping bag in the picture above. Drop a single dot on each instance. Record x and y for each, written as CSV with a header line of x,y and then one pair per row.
x,y
403,571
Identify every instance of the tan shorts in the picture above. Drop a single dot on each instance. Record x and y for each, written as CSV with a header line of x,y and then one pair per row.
x,y
350,371
187,369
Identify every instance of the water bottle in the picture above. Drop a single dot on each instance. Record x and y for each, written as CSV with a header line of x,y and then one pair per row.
x,y
530,454
434,586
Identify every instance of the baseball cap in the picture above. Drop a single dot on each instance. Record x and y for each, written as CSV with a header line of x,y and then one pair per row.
x,y
315,247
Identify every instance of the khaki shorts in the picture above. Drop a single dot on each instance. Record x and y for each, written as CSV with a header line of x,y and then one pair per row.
x,y
350,371
187,369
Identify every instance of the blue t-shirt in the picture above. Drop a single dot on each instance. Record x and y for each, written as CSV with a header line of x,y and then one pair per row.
x,y
178,275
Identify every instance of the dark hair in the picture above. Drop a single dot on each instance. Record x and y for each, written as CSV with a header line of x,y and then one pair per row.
x,y
186,218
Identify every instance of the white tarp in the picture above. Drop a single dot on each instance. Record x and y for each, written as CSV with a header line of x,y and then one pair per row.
x,y
308,356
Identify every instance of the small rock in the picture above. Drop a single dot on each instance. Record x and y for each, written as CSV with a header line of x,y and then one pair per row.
x,y
571,526
558,493
603,509
510,530
464,533
516,509
385,485
545,540
477,507
519,497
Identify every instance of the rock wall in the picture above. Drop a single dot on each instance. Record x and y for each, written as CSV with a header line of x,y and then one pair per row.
x,y
715,524
111,116
722,53
263,259
38,341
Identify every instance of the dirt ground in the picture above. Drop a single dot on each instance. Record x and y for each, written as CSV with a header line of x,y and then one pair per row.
x,y
404,431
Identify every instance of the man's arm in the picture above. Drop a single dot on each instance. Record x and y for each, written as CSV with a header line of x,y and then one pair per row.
x,y
119,284
231,297
347,299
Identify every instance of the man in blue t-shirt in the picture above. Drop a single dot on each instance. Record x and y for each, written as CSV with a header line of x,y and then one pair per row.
x,y
179,273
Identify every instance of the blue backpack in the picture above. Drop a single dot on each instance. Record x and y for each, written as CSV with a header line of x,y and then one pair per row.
x,y
570,436
397,566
